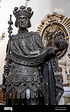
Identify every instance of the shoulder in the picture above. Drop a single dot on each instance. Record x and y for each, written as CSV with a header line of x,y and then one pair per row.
x,y
13,37
35,34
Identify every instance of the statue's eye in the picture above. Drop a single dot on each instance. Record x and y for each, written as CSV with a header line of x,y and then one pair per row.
x,y
26,18
21,18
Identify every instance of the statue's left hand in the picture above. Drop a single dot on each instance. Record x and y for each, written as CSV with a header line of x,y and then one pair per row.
x,y
50,52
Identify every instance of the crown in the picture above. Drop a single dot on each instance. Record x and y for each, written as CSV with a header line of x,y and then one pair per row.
x,y
22,10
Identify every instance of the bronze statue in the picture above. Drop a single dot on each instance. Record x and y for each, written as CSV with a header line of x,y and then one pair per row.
x,y
30,67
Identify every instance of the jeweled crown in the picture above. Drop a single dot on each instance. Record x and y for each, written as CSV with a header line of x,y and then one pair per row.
x,y
22,10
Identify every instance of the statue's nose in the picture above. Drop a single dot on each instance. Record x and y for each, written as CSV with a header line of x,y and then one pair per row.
x,y
22,20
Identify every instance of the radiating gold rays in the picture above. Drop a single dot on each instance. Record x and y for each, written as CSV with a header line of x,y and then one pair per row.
x,y
54,17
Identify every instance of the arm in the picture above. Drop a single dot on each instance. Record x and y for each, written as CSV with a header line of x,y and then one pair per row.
x,y
7,64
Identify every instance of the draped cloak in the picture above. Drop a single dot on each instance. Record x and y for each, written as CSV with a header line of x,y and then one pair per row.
x,y
27,53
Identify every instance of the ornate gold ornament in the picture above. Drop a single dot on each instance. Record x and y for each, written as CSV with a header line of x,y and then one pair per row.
x,y
2,37
50,26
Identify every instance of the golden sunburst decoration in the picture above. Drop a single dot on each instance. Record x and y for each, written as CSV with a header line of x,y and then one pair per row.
x,y
51,25
66,23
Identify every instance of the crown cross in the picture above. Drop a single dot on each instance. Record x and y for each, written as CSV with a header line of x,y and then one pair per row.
x,y
26,3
